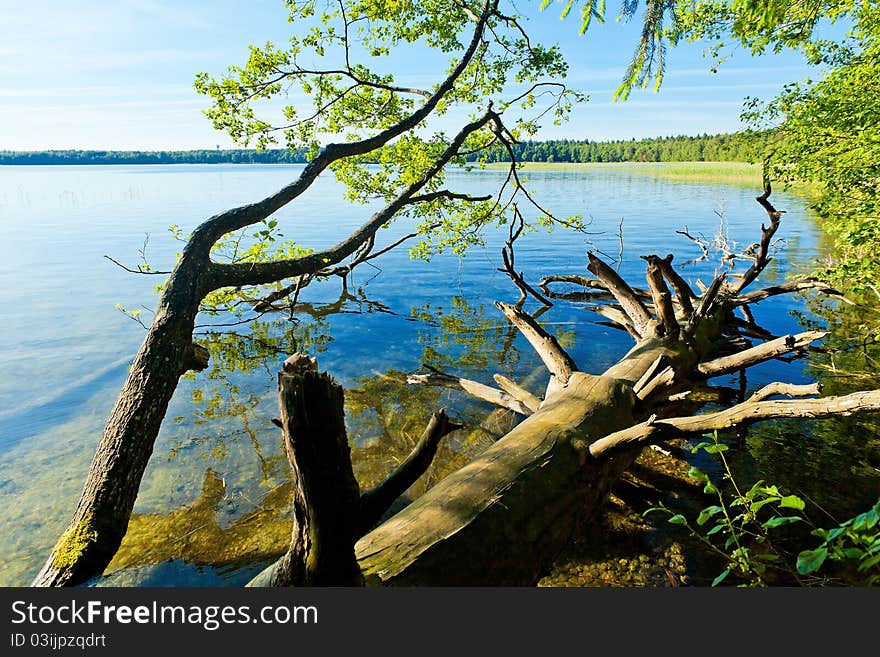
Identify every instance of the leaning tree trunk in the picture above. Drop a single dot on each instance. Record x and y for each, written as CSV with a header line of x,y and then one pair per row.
x,y
101,518
99,523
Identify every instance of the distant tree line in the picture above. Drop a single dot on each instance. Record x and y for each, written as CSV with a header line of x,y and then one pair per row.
x,y
204,156
737,147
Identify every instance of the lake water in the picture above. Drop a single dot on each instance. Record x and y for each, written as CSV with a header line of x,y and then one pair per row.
x,y
213,507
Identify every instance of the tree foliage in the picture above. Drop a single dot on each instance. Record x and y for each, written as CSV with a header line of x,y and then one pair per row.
x,y
824,132
341,69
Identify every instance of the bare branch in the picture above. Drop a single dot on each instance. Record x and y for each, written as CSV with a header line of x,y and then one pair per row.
x,y
139,270
475,389
662,382
615,315
699,242
554,357
654,430
791,286
762,257
376,501
518,392
704,307
649,373
760,353
788,389
626,297
683,291
668,325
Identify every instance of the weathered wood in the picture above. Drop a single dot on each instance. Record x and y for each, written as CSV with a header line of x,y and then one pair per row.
x,y
532,402
683,291
554,357
668,324
626,297
655,430
704,306
326,496
661,382
792,286
502,398
760,353
787,389
657,365
762,257
500,518
615,315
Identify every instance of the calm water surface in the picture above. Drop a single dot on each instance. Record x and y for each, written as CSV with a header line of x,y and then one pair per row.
x,y
213,505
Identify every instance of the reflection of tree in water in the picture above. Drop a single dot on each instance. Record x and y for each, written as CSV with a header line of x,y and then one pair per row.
x,y
194,533
385,418
835,462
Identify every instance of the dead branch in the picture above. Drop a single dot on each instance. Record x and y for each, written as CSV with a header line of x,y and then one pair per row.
x,y
516,391
791,286
616,318
668,325
788,389
626,297
760,353
660,362
699,242
683,291
475,389
763,255
575,279
554,357
654,430
140,270
705,304
662,381
375,501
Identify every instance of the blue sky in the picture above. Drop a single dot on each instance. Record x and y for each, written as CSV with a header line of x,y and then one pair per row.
x,y
118,74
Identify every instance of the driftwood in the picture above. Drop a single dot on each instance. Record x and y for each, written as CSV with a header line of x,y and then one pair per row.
x,y
329,511
503,517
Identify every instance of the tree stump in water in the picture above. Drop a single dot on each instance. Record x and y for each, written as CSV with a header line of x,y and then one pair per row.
x,y
326,496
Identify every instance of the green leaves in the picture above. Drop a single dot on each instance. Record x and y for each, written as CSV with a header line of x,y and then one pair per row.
x,y
792,502
721,577
809,561
708,513
779,521
855,540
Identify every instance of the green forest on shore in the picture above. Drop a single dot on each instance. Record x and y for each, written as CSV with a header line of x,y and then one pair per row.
x,y
700,148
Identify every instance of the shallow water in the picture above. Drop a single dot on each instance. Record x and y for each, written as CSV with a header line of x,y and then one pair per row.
x,y
213,504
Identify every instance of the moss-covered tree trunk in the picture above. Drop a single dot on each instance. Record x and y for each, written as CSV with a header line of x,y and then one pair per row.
x,y
101,518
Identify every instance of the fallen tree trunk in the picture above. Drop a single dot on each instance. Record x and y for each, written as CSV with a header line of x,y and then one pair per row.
x,y
504,517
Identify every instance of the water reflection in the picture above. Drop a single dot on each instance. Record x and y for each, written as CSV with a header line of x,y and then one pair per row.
x,y
219,460
234,523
